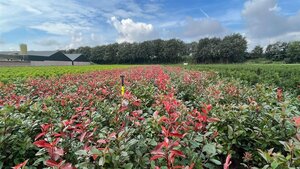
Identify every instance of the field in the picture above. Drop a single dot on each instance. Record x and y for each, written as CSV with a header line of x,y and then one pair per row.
x,y
9,74
286,76
169,117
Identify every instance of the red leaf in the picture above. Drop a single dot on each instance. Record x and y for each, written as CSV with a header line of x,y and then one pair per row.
x,y
55,153
58,151
155,114
176,134
192,166
175,144
52,163
61,134
227,162
42,143
56,140
112,135
39,135
102,141
45,127
166,142
67,122
213,119
82,136
20,165
78,109
66,166
297,121
178,153
156,157
94,157
159,146
165,132
137,103
209,107
157,152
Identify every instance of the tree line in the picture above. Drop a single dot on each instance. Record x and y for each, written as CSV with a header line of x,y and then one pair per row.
x,y
230,49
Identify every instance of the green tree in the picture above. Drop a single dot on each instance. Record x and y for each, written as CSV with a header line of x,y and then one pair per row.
x,y
233,48
85,51
97,54
276,51
173,50
293,52
111,53
257,52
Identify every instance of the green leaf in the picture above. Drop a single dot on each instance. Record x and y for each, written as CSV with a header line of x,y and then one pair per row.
x,y
95,151
38,161
101,161
124,154
40,152
265,155
217,162
209,149
128,166
275,164
230,132
132,142
81,152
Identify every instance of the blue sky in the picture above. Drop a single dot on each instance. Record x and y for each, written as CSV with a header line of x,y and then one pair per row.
x,y
51,25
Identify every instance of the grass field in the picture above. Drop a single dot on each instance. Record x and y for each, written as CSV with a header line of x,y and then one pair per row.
x,y
8,74
286,76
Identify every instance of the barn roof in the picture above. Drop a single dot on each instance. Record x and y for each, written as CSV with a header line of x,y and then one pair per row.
x,y
73,56
33,53
41,53
9,52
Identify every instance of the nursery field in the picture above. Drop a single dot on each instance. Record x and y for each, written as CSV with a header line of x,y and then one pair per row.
x,y
9,74
286,76
168,118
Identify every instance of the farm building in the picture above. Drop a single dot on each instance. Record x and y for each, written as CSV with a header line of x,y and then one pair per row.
x,y
47,58
10,56
78,59
41,58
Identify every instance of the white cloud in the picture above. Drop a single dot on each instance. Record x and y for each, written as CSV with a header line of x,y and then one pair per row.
x,y
131,31
43,14
77,40
264,20
71,17
59,28
203,27
47,42
266,24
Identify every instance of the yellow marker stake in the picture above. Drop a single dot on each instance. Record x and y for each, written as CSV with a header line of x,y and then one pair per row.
x,y
123,88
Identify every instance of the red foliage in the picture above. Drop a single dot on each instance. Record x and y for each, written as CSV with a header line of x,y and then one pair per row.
x,y
21,165
227,162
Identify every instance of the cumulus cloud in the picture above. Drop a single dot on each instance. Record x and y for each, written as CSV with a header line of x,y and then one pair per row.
x,y
76,41
264,20
130,31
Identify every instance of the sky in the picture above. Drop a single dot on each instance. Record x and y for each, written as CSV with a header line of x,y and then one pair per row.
x,y
66,24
